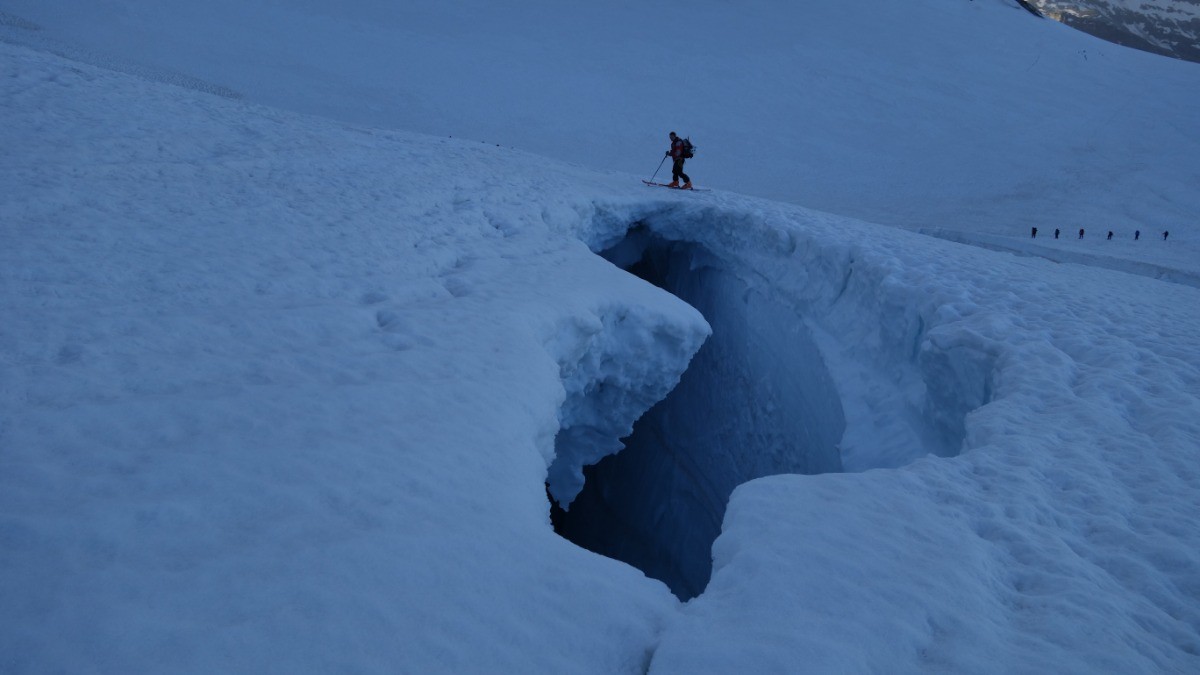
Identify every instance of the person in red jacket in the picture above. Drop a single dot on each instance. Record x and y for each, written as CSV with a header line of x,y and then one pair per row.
x,y
676,153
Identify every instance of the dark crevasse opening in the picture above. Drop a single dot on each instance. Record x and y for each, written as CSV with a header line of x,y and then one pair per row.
x,y
757,400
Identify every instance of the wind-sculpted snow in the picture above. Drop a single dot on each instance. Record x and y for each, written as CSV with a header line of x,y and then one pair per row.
x,y
281,395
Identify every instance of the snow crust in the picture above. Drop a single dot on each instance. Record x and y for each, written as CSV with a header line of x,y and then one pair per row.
x,y
281,394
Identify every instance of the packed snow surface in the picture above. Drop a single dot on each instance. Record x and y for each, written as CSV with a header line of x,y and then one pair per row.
x,y
283,393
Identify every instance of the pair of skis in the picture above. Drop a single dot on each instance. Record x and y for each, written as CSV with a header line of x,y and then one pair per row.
x,y
672,187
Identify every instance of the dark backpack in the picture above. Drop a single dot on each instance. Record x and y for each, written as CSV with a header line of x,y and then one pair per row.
x,y
689,150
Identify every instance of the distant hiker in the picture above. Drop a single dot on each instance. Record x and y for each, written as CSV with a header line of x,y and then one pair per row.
x,y
1056,231
1081,233
1137,234
678,154
1034,232
1165,235
1110,235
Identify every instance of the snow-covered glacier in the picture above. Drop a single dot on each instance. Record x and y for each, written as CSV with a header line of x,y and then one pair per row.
x,y
284,394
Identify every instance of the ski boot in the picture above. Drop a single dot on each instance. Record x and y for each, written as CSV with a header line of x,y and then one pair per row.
x,y
687,186
674,184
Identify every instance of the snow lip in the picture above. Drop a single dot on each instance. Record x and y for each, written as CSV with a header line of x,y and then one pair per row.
x,y
615,364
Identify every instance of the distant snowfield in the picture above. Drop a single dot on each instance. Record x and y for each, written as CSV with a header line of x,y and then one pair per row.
x,y
972,116
283,394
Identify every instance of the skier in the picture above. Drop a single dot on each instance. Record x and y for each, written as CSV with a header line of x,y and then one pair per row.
x,y
1165,233
1110,235
1033,232
1137,234
676,154
1056,233
1081,233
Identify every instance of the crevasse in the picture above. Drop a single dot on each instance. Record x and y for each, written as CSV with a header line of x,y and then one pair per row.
x,y
831,369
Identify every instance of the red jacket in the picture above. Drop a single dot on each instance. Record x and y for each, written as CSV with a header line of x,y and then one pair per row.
x,y
677,148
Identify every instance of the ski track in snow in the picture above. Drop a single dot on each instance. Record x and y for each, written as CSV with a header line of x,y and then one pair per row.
x,y
280,394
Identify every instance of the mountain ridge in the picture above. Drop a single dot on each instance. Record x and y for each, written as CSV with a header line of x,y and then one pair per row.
x,y
1166,27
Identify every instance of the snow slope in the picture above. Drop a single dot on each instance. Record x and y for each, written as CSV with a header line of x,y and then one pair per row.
x,y
281,394
970,116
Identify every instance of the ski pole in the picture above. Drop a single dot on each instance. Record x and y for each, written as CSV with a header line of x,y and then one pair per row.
x,y
664,161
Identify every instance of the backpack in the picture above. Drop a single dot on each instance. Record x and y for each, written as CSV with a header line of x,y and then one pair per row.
x,y
689,150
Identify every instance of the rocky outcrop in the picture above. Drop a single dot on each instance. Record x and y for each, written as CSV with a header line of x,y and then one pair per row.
x,y
1167,27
